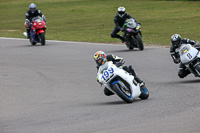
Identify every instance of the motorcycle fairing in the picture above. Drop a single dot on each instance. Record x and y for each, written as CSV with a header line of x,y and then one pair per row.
x,y
118,73
187,53
33,36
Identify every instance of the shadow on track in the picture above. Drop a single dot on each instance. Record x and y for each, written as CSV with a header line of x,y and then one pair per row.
x,y
127,50
116,102
192,81
31,46
124,50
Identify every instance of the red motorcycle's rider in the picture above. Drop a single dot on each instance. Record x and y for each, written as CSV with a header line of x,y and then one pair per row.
x,y
31,13
119,20
101,58
176,43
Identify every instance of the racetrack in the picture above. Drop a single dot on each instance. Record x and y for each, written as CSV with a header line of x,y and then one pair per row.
x,y
53,89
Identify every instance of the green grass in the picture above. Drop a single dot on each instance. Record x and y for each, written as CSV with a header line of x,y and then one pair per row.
x,y
92,20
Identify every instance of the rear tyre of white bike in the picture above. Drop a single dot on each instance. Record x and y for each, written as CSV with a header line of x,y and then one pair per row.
x,y
144,93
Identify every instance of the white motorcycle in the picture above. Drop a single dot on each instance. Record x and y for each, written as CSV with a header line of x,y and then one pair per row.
x,y
190,57
120,82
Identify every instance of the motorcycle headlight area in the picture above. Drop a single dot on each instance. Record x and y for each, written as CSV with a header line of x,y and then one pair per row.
x,y
184,50
138,27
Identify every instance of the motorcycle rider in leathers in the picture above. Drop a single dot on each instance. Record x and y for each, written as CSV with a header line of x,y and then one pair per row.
x,y
101,58
176,43
119,20
31,13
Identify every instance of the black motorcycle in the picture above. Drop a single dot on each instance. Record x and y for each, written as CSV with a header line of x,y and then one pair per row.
x,y
132,34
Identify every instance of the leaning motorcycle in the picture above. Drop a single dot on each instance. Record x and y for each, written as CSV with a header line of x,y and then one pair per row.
x,y
132,34
37,31
120,82
190,57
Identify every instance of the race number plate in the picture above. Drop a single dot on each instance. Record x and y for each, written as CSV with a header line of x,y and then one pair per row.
x,y
107,73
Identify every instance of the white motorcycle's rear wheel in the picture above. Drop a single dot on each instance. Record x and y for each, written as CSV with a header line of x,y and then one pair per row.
x,y
123,92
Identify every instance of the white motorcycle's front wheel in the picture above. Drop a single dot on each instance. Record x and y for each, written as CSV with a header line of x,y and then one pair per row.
x,y
122,91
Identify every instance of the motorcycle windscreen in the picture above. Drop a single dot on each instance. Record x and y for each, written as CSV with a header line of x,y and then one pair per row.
x,y
130,23
187,54
37,19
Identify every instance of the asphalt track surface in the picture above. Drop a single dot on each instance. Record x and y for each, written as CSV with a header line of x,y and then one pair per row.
x,y
53,89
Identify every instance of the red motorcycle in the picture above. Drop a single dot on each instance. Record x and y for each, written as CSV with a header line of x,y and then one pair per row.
x,y
37,32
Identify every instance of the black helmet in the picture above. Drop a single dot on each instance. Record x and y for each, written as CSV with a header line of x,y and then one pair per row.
x,y
176,40
121,11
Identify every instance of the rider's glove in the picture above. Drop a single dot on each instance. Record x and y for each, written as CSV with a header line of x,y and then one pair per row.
x,y
177,60
122,29
98,81
139,23
197,44
27,21
118,64
44,18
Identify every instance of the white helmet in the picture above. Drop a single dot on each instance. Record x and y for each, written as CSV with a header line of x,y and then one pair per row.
x,y
121,11
32,7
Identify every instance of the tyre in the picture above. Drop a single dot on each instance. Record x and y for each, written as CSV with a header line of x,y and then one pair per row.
x,y
32,43
129,46
144,93
42,38
197,68
139,42
123,92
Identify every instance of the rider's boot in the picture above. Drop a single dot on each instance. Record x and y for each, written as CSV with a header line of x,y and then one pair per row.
x,y
122,39
136,78
107,92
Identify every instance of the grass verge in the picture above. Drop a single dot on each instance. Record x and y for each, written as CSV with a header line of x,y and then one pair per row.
x,y
92,20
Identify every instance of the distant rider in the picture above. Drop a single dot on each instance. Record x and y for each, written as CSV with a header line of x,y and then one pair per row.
x,y
101,58
176,43
31,13
119,20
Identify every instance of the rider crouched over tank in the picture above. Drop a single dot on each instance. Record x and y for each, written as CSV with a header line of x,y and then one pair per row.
x,y
31,13
119,20
101,58
177,41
